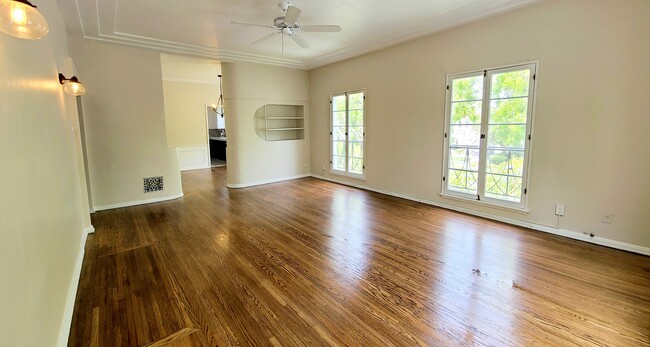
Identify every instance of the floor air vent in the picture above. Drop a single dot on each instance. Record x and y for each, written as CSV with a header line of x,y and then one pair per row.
x,y
153,184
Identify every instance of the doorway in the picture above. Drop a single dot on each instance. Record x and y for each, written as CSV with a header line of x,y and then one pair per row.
x,y
216,135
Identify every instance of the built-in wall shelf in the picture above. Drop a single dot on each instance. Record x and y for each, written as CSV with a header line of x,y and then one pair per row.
x,y
284,122
285,129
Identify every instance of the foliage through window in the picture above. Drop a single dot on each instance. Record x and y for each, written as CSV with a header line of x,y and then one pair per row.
x,y
488,134
347,133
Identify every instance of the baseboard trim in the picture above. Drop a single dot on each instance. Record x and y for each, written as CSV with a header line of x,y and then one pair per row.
x,y
259,183
539,227
195,167
66,324
138,202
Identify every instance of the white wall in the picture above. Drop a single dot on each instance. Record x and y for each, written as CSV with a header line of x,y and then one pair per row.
x,y
247,87
185,114
43,198
125,123
590,146
189,84
185,118
191,69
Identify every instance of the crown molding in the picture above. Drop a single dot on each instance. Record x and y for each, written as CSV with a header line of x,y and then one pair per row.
x,y
201,51
189,80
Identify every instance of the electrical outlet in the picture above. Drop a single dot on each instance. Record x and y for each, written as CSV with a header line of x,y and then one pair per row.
x,y
324,168
607,217
559,210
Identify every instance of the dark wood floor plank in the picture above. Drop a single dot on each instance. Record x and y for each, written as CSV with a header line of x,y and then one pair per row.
x,y
308,262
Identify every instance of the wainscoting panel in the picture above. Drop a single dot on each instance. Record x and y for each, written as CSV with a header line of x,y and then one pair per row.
x,y
193,157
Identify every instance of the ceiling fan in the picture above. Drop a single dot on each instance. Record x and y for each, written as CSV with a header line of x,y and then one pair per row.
x,y
287,25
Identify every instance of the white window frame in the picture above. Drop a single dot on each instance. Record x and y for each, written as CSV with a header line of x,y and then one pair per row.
x,y
347,173
480,197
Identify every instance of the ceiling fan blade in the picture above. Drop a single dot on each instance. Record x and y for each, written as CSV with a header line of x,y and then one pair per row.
x,y
292,15
321,28
258,41
253,24
299,40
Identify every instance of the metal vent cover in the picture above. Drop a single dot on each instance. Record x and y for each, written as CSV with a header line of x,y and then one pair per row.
x,y
153,184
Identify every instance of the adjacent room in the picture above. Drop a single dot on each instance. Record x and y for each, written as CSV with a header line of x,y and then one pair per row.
x,y
325,173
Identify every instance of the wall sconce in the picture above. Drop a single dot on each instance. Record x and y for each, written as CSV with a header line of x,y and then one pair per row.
x,y
72,86
21,19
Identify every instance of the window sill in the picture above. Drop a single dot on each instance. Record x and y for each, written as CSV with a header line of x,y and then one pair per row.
x,y
486,204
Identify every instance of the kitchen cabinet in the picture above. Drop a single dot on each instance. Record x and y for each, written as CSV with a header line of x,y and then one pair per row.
x,y
218,147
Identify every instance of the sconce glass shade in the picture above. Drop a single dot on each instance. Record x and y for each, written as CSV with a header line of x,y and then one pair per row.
x,y
19,18
72,86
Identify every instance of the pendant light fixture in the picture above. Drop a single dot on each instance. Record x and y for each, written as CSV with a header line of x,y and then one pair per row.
x,y
21,19
218,108
72,86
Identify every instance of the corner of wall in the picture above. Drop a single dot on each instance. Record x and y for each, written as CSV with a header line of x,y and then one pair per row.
x,y
66,323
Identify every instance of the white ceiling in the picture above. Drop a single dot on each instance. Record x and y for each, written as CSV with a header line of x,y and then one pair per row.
x,y
203,28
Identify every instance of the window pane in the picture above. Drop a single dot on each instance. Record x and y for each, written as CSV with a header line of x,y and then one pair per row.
x,y
356,118
514,187
469,88
338,148
496,163
338,163
506,136
356,166
466,112
463,158
348,132
338,118
356,150
495,185
355,101
463,181
465,135
338,103
356,133
508,110
505,162
503,187
510,84
338,133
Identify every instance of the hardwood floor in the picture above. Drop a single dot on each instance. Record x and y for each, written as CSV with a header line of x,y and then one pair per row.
x,y
308,262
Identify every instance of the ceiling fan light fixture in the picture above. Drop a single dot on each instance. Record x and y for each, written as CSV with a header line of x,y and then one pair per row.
x,y
284,5
21,19
288,25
